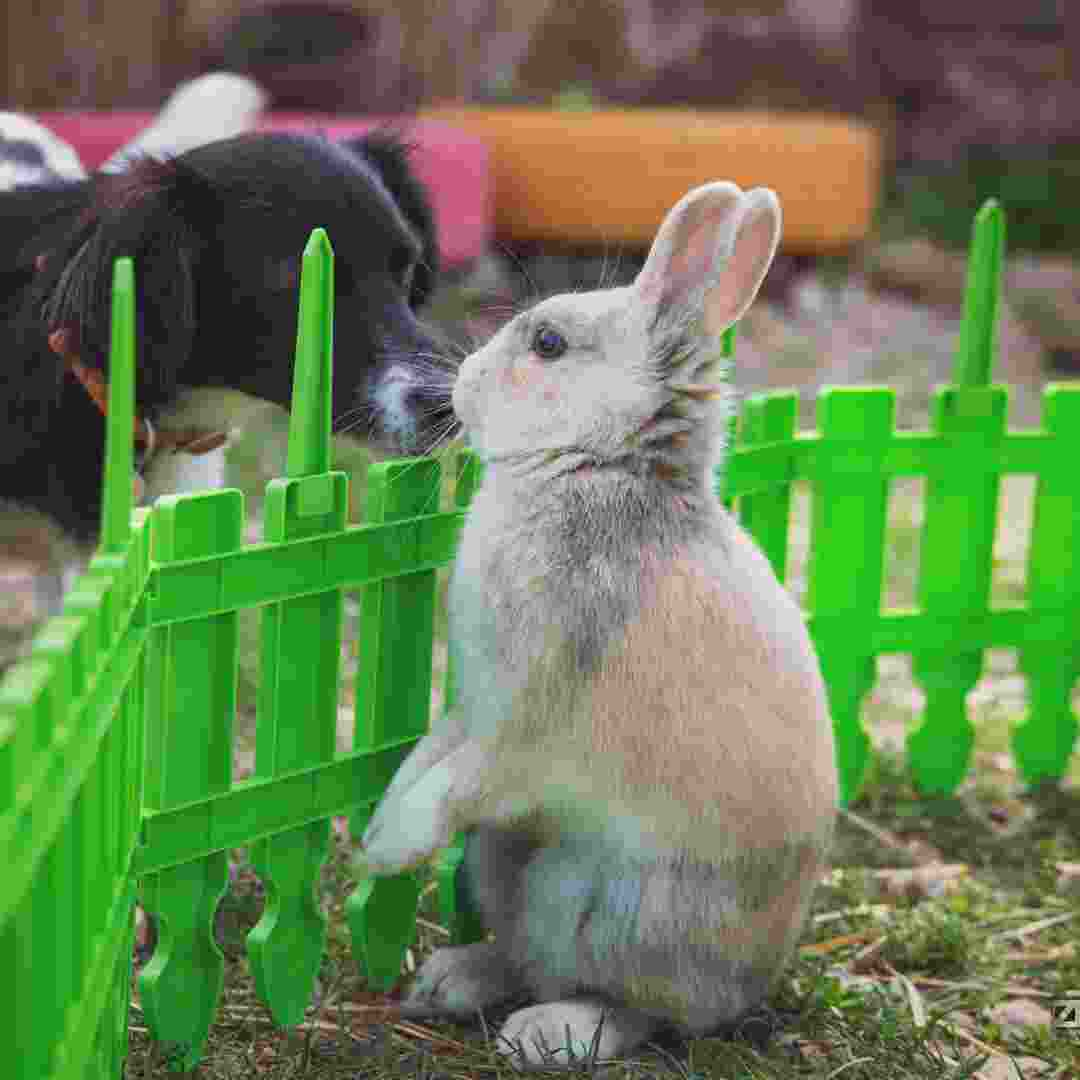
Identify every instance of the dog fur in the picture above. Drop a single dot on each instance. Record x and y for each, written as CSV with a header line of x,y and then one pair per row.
x,y
216,234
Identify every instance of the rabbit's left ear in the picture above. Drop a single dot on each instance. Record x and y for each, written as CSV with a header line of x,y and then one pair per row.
x,y
710,255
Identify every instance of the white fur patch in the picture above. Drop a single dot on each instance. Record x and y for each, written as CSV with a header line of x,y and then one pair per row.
x,y
206,409
390,392
181,472
537,1035
204,110
60,162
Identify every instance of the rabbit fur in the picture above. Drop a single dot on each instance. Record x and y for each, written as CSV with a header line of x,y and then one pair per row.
x,y
641,746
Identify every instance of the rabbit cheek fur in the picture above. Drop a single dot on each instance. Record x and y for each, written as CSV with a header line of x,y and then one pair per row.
x,y
641,747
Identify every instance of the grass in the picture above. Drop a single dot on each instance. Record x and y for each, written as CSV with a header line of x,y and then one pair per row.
x,y
938,917
884,983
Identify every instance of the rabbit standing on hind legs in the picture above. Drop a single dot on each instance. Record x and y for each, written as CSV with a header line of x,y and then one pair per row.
x,y
641,748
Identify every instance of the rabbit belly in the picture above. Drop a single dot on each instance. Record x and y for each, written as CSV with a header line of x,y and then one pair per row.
x,y
674,939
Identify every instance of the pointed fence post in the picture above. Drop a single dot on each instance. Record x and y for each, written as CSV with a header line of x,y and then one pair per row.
x,y
978,330
961,515
300,661
119,450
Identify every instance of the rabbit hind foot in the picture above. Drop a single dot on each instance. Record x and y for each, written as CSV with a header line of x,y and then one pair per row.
x,y
460,980
563,1033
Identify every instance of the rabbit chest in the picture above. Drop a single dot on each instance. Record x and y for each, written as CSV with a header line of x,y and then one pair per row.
x,y
654,667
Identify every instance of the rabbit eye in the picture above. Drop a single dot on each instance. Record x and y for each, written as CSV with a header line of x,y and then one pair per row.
x,y
548,343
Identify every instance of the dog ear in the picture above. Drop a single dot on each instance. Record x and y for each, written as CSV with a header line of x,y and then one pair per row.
x,y
390,155
159,214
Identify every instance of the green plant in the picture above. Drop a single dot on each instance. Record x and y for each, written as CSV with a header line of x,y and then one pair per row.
x,y
931,939
575,97
1038,186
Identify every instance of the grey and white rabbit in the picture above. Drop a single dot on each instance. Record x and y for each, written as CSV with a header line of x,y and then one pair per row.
x,y
641,746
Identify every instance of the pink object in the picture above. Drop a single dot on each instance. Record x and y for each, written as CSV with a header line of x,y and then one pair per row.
x,y
451,163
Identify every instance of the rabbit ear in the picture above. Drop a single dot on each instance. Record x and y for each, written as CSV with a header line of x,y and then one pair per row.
x,y
711,254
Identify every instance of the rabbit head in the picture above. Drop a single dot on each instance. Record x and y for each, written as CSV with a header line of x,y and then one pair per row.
x,y
627,377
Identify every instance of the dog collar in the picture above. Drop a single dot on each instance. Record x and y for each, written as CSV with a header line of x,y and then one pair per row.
x,y
195,441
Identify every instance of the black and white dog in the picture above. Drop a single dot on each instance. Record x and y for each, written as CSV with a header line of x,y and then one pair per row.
x,y
216,234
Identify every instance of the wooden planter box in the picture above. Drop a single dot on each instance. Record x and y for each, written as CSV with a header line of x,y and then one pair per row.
x,y
607,176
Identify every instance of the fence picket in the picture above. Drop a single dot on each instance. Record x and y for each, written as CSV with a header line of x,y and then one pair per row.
x,y
1043,742
393,701
956,560
957,541
297,725
769,418
456,905
118,494
301,658
191,704
848,512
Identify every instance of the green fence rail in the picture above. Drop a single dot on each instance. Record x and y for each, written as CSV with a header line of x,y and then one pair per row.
x,y
116,742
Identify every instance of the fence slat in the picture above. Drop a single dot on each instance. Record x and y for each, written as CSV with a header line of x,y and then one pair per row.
x,y
1043,742
975,353
957,543
297,723
300,662
957,551
848,511
117,496
191,704
457,908
393,699
769,418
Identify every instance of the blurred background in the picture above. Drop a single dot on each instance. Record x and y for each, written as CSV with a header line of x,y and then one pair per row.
x,y
966,99
971,98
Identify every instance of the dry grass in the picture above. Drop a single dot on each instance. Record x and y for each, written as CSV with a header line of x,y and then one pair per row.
x,y
890,980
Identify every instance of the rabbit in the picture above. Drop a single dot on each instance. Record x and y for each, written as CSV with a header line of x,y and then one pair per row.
x,y
641,748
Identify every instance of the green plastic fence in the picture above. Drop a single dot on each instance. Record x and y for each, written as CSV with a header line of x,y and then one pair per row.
x,y
116,732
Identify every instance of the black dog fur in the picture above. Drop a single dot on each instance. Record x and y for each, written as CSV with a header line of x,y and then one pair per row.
x,y
216,235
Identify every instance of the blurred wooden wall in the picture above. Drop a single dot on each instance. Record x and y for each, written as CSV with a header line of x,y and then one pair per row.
x,y
90,53
130,53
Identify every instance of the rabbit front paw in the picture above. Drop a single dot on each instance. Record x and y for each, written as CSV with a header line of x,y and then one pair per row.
x,y
403,833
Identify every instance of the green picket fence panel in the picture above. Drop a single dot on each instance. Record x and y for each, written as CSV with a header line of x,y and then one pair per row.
x,y
116,732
